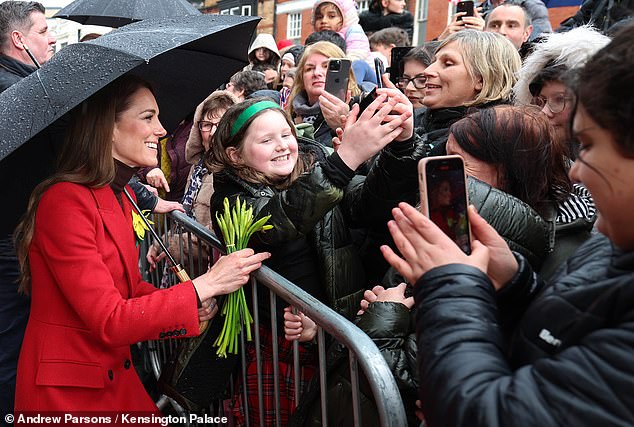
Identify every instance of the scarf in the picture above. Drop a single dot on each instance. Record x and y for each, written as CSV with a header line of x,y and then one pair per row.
x,y
308,113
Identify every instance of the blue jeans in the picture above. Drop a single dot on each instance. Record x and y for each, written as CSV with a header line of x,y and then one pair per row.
x,y
14,313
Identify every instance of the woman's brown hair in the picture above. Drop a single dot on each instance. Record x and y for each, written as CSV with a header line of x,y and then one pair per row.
x,y
217,159
85,158
532,166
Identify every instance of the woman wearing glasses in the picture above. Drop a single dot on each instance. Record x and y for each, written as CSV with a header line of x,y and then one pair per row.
x,y
412,82
541,79
542,83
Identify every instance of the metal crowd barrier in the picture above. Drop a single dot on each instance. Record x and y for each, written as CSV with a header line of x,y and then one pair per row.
x,y
362,350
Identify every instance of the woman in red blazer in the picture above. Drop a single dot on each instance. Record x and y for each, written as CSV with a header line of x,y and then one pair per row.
x,y
79,262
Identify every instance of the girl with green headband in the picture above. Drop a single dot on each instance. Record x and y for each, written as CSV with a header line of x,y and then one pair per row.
x,y
256,156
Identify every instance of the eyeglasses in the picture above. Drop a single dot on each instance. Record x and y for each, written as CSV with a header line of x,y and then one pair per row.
x,y
418,81
556,103
206,126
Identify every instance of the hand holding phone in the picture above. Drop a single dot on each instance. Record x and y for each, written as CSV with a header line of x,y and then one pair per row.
x,y
337,77
443,197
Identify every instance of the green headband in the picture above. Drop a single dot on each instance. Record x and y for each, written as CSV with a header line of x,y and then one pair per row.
x,y
250,112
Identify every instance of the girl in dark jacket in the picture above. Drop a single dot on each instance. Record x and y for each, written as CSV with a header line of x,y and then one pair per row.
x,y
496,345
387,13
256,156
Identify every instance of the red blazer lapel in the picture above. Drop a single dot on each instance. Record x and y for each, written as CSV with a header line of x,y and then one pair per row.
x,y
118,224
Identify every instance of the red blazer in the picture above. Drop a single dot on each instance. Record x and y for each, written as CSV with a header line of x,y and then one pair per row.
x,y
89,305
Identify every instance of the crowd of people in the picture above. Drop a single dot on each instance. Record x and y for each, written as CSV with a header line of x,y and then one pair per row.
x,y
532,327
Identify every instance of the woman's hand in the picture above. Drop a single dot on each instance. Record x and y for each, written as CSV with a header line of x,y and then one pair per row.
x,y
424,246
474,22
379,293
164,206
403,106
333,109
229,273
502,263
208,310
365,136
298,326
156,178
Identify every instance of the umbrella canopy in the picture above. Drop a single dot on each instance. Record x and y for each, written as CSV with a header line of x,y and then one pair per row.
x,y
117,13
185,59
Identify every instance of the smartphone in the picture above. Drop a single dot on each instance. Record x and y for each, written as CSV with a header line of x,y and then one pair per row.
x,y
337,77
444,197
366,100
465,6
396,62
378,72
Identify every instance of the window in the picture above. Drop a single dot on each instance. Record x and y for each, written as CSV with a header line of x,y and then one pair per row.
x,y
363,5
294,28
246,10
234,11
224,12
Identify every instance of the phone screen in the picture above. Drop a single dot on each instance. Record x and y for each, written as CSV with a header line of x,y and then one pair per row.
x,y
396,62
444,197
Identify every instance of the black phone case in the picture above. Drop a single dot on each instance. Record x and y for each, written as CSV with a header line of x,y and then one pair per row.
x,y
465,6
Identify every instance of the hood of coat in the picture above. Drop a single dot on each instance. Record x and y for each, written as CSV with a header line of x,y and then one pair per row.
x,y
570,49
264,40
348,9
194,148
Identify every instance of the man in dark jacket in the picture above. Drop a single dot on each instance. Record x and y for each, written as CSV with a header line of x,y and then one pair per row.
x,y
24,39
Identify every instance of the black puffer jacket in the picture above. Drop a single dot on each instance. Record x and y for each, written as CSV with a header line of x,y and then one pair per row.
x,y
569,360
374,21
390,324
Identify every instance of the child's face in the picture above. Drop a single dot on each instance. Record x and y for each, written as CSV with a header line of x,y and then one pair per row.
x,y
383,49
288,81
269,146
286,65
393,6
328,17
262,54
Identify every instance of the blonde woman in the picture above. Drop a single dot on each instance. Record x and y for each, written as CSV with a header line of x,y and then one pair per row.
x,y
472,69
309,102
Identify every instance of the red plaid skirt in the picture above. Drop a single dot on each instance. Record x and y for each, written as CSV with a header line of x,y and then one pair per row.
x,y
308,367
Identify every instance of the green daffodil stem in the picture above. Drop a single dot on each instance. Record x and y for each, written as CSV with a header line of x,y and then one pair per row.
x,y
237,226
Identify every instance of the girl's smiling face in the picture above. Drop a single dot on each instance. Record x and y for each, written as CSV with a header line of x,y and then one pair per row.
x,y
268,147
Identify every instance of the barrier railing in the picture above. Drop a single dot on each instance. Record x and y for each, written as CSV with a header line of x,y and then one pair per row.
x,y
362,350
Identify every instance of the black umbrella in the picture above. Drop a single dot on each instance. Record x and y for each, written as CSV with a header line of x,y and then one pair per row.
x,y
184,58
117,13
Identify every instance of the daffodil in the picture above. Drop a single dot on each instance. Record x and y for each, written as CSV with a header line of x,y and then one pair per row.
x,y
139,225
